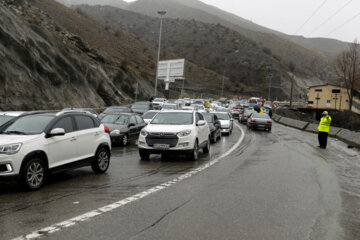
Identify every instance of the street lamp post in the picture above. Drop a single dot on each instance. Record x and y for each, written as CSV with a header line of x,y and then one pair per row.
x,y
222,85
161,13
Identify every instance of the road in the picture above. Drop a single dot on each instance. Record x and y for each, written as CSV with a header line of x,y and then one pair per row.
x,y
276,185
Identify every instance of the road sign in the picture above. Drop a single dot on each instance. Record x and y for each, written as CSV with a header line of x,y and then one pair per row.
x,y
171,69
276,105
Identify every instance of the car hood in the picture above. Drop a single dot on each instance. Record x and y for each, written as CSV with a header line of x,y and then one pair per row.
x,y
113,126
12,138
166,128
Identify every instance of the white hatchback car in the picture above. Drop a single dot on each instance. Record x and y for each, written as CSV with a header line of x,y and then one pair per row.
x,y
35,145
175,132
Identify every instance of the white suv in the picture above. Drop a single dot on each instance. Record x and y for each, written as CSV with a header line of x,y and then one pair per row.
x,y
175,132
35,145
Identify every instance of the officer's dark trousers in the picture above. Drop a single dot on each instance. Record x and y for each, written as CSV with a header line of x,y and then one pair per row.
x,y
322,136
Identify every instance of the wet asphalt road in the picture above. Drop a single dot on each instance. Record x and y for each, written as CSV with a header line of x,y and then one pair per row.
x,y
276,185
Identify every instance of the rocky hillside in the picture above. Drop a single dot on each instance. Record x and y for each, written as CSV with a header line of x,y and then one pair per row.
x,y
215,47
54,57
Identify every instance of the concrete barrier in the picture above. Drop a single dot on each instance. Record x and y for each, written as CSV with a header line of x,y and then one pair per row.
x,y
293,123
314,129
352,138
276,117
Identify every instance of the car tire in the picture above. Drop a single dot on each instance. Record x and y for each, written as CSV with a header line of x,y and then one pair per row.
x,y
34,174
102,161
195,151
144,155
125,140
206,149
269,129
219,137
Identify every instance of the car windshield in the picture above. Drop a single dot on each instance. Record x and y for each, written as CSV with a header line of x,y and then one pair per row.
x,y
158,100
173,118
117,119
4,119
223,116
29,125
114,110
149,115
260,115
208,118
169,106
143,106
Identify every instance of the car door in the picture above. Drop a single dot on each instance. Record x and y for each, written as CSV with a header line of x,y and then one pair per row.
x,y
202,133
62,149
133,128
140,125
86,134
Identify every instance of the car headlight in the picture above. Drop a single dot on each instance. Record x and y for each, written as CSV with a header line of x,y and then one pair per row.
x,y
184,133
10,149
115,132
143,133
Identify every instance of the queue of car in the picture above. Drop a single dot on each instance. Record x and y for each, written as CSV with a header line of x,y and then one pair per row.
x,y
36,144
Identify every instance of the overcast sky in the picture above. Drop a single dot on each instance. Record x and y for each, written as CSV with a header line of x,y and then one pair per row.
x,y
289,16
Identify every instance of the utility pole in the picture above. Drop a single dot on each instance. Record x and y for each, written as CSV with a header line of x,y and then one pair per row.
x,y
291,91
269,94
222,85
182,89
161,13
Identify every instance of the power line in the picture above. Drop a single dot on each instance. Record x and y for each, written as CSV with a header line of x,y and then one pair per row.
x,y
346,22
328,19
312,15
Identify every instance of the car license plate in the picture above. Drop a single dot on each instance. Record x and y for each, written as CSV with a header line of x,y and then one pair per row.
x,y
162,146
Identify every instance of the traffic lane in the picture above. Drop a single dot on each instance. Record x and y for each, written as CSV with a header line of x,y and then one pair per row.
x,y
75,192
275,186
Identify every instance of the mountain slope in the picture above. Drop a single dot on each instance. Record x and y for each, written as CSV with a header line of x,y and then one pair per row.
x,y
38,71
114,3
211,46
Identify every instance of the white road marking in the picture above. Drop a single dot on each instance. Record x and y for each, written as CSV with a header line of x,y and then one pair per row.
x,y
86,216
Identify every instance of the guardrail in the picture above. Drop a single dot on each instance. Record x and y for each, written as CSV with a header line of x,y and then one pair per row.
x,y
349,137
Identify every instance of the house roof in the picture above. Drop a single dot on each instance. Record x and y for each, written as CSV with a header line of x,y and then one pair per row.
x,y
326,84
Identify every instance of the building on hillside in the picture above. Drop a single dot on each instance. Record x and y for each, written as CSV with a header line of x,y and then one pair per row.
x,y
332,97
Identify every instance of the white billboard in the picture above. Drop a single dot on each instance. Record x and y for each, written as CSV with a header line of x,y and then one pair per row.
x,y
171,69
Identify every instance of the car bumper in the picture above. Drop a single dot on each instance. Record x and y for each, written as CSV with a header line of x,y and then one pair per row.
x,y
10,165
116,138
257,125
183,144
225,130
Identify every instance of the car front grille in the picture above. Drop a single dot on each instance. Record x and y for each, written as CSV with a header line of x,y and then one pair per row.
x,y
162,138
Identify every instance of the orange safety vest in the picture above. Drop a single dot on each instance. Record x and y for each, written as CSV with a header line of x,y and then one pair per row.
x,y
324,125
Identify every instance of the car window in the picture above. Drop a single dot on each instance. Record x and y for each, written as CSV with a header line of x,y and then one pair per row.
x,y
122,120
66,124
173,118
84,122
133,120
5,119
32,124
208,118
200,116
139,119
149,115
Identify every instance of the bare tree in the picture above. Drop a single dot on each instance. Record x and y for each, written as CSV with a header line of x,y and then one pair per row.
x,y
348,69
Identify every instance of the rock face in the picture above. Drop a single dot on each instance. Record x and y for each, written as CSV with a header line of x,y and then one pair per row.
x,y
39,70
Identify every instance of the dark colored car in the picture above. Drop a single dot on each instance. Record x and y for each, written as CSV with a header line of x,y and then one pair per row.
x,y
236,111
114,110
259,120
124,127
142,107
214,125
243,118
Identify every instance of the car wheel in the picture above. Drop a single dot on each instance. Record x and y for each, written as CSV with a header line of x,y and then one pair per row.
x,y
125,140
102,161
195,152
34,174
219,137
206,149
144,155
269,129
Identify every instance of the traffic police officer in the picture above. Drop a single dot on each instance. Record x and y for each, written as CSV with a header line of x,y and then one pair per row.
x,y
324,129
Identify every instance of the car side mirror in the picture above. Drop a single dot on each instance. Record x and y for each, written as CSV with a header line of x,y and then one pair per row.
x,y
201,123
57,132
